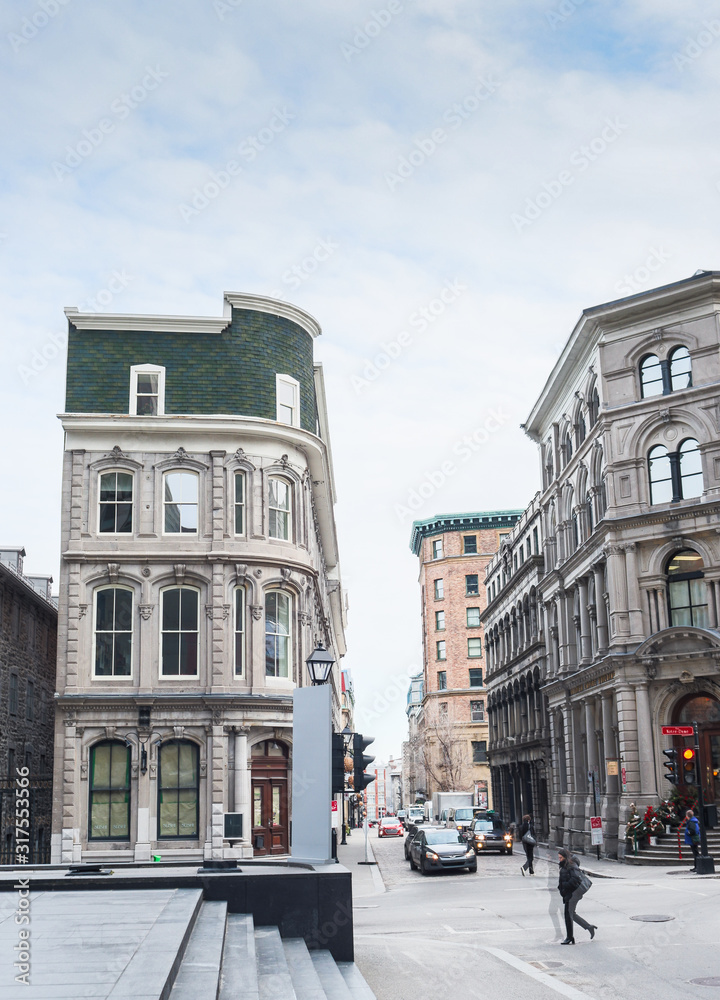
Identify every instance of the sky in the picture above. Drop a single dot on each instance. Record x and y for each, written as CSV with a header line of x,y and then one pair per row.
x,y
443,184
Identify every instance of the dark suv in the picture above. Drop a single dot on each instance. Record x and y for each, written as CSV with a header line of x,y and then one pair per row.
x,y
488,833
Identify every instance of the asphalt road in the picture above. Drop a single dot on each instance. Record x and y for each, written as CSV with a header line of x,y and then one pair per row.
x,y
464,935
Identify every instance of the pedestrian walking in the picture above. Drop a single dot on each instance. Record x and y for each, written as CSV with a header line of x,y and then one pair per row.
x,y
692,836
572,886
526,833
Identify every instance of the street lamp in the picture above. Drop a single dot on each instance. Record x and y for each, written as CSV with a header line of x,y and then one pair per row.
x,y
320,664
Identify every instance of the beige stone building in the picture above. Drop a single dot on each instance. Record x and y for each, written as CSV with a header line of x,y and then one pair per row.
x,y
451,741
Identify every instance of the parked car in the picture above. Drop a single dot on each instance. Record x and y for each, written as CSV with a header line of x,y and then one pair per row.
x,y
390,826
488,833
412,833
438,849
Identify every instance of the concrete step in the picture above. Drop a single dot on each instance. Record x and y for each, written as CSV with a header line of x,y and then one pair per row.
x,y
355,982
305,979
330,976
152,970
200,967
238,972
274,982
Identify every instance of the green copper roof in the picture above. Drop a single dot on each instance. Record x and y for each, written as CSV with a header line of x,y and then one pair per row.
x,y
476,521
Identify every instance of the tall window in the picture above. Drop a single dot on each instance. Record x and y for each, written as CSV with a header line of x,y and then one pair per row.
x,y
474,647
680,369
675,475
475,677
439,621
472,617
593,407
440,650
280,504
477,711
288,400
147,390
566,448
471,585
29,701
181,503
470,544
109,807
13,695
180,627
589,513
687,591
239,503
442,680
178,791
437,548
239,631
580,429
439,590
116,494
278,634
113,632
479,751
651,377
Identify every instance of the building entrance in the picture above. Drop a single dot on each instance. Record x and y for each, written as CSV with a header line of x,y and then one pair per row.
x,y
705,710
269,773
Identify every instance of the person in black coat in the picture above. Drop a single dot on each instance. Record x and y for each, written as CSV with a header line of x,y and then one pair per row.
x,y
571,890
527,827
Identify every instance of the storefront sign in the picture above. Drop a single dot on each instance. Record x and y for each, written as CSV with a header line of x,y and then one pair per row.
x,y
612,768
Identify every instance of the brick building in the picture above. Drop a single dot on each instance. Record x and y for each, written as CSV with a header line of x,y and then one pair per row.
x,y
452,735
199,571
28,635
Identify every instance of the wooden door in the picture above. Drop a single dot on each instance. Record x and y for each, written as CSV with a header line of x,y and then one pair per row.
x,y
270,827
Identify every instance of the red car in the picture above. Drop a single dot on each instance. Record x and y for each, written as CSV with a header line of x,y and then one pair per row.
x,y
390,826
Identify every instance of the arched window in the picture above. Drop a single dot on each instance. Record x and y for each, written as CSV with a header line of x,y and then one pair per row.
x,y
687,591
549,464
180,626
651,376
239,631
680,369
589,514
566,448
113,632
690,467
115,499
178,791
575,530
593,407
659,471
109,806
675,475
180,500
278,634
239,503
580,429
280,509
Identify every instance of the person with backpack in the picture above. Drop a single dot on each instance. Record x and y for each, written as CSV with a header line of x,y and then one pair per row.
x,y
692,836
526,833
572,886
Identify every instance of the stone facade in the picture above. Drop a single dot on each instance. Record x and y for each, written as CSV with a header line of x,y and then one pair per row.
x,y
628,430
199,571
450,746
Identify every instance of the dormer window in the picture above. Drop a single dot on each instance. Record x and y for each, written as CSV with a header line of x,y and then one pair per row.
x,y
147,390
288,400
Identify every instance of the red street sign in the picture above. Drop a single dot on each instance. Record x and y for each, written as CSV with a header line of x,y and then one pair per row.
x,y
596,822
678,731
333,806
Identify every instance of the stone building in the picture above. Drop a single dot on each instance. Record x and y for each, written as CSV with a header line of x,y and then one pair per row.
x,y
519,736
628,432
28,635
199,571
454,551
413,771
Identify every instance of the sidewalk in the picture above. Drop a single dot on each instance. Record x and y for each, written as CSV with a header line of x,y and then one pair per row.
x,y
366,879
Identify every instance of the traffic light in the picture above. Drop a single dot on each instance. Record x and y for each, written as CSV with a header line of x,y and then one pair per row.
x,y
689,766
338,763
361,761
671,763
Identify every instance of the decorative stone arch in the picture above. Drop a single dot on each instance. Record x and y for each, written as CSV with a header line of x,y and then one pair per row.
x,y
660,554
678,640
654,429
660,343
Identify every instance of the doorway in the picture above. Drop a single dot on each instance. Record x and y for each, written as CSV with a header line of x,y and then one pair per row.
x,y
269,782
705,710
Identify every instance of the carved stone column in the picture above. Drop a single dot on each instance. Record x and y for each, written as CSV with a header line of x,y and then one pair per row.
x,y
585,650
646,757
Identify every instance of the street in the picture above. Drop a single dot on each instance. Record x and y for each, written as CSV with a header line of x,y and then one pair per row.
x,y
460,933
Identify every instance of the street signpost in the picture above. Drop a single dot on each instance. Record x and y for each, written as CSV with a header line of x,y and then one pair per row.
x,y
596,832
592,774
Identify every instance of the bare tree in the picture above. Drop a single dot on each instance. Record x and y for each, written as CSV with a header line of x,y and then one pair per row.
x,y
443,754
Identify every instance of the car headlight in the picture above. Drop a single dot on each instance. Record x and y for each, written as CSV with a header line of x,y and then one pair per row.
x,y
432,855
470,854
508,837
479,837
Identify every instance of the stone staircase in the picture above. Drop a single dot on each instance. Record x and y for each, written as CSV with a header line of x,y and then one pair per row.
x,y
227,958
666,851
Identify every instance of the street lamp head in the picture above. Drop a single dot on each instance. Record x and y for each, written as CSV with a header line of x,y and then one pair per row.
x,y
320,664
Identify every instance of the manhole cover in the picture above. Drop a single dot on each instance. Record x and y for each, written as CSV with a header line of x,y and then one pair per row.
x,y
708,981
652,918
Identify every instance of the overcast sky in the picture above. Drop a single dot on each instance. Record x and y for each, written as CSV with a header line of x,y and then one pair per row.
x,y
444,184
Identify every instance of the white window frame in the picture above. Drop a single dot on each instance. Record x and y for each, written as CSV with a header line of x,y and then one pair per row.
x,y
280,678
289,511
437,548
239,596
136,370
112,677
439,596
288,380
239,474
161,663
167,503
120,534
